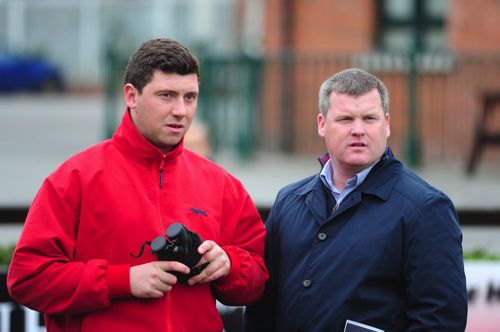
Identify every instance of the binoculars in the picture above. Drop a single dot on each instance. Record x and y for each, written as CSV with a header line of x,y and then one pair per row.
x,y
181,245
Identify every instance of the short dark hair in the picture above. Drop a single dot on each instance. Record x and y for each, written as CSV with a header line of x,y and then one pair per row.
x,y
164,54
352,82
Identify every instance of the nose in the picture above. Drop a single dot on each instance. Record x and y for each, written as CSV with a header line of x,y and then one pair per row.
x,y
358,127
179,109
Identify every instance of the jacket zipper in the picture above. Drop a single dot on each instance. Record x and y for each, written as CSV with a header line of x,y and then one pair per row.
x,y
160,170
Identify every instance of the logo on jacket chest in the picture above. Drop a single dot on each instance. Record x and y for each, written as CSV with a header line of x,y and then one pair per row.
x,y
197,212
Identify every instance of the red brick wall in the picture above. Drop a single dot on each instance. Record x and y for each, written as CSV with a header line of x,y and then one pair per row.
x,y
321,25
447,102
473,26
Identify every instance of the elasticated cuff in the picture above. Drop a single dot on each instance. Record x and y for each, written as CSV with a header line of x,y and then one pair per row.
x,y
118,280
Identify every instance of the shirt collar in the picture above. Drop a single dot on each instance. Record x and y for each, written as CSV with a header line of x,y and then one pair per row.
x,y
358,178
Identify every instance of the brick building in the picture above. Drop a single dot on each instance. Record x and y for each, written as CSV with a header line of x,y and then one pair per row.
x,y
437,57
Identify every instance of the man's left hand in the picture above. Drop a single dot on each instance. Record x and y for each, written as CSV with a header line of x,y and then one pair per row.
x,y
218,263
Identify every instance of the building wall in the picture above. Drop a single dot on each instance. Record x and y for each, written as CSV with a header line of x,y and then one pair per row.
x,y
319,25
323,36
473,26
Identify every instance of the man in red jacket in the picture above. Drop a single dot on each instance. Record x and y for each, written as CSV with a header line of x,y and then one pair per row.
x,y
74,260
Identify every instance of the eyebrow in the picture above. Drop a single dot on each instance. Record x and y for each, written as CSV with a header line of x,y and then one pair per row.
x,y
176,92
166,91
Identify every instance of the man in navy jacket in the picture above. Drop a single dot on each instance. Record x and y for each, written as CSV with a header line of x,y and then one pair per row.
x,y
366,241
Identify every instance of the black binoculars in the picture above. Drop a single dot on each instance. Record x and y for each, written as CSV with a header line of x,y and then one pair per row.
x,y
181,245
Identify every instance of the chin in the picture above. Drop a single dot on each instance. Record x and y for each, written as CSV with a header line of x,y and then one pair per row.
x,y
360,163
166,145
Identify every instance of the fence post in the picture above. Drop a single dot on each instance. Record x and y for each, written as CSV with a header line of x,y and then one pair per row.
x,y
412,141
230,101
116,56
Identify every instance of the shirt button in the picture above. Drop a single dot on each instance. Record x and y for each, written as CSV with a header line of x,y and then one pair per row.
x,y
322,236
307,283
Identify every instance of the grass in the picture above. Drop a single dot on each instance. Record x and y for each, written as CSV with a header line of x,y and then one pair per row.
x,y
473,255
480,254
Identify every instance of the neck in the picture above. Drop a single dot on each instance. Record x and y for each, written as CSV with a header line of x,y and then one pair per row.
x,y
341,176
340,179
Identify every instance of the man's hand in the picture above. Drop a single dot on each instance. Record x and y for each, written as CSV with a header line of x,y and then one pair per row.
x,y
218,263
151,280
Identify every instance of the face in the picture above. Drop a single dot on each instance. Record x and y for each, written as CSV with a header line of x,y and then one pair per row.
x,y
164,110
355,130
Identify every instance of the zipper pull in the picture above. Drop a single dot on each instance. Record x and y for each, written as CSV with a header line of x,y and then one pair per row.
x,y
160,170
336,207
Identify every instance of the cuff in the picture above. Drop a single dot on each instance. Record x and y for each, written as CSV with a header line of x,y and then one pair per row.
x,y
118,280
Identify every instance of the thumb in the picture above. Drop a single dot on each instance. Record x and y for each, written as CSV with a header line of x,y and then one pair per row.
x,y
205,246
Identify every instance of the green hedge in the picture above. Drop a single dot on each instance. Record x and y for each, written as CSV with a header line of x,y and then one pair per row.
x,y
481,254
6,254
477,254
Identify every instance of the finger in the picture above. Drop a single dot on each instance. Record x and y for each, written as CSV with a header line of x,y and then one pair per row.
x,y
209,274
166,281
154,294
154,289
210,251
216,269
173,266
203,277
164,287
206,246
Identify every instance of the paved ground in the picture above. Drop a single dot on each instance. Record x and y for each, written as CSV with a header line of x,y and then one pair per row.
x,y
38,132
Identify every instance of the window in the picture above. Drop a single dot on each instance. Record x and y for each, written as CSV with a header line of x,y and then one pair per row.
x,y
405,25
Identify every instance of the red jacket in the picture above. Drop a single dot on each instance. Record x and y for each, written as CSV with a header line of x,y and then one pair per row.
x,y
72,261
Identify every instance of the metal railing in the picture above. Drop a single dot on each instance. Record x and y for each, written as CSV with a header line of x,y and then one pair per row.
x,y
271,103
230,100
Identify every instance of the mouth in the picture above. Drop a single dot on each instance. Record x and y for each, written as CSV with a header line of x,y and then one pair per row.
x,y
176,127
357,145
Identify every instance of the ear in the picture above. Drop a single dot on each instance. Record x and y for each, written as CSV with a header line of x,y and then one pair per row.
x,y
130,93
321,125
388,125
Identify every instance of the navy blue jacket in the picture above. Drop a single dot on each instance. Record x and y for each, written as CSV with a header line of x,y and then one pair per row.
x,y
390,256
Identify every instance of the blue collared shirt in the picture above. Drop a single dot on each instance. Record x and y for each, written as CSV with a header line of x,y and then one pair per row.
x,y
351,184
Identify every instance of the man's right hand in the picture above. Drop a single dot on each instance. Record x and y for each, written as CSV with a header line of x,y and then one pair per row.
x,y
151,280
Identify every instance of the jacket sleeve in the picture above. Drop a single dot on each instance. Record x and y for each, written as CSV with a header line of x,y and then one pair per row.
x,y
434,270
242,237
43,274
261,315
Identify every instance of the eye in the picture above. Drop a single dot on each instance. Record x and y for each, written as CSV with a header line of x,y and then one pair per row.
x,y
371,118
344,119
165,95
191,97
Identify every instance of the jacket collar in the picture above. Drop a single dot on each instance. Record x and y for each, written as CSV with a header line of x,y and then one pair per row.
x,y
383,177
133,145
379,182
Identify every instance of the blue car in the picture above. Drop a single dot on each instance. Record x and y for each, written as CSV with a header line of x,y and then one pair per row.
x,y
28,73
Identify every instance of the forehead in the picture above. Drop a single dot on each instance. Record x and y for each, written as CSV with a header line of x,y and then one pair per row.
x,y
172,81
369,101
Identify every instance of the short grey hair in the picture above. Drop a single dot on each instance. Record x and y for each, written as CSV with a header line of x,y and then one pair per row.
x,y
352,82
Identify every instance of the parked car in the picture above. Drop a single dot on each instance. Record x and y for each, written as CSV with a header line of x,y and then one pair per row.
x,y
28,73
